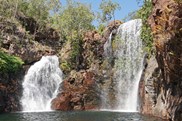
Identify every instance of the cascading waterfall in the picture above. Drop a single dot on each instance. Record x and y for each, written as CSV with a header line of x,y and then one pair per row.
x,y
128,64
41,84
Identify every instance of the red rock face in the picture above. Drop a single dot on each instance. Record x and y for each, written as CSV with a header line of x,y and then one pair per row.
x,y
166,24
78,93
62,102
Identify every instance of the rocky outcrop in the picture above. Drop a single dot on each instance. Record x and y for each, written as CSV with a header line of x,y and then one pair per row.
x,y
46,35
10,91
111,27
16,41
166,24
150,89
30,52
81,89
78,92
92,49
20,38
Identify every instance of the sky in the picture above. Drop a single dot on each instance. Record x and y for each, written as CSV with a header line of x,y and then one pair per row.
x,y
127,6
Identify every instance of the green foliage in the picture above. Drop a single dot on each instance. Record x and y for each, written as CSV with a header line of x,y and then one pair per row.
x,y
146,34
38,9
8,7
74,19
65,66
76,50
9,64
178,1
108,7
101,28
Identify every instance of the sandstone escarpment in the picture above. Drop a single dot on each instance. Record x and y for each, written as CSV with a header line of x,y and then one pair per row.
x,y
166,24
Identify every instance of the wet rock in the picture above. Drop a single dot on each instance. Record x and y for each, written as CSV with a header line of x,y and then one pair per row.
x,y
62,102
79,92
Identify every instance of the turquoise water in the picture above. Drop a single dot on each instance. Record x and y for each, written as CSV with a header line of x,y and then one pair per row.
x,y
76,116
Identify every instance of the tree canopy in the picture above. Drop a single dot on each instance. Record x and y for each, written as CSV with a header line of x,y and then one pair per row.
x,y
108,8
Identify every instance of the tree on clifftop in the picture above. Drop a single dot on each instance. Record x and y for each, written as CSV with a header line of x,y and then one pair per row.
x,y
108,8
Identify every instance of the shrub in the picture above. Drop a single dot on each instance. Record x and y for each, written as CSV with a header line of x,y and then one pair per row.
x,y
146,33
9,63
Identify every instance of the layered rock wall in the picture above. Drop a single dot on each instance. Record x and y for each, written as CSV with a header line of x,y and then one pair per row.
x,y
163,87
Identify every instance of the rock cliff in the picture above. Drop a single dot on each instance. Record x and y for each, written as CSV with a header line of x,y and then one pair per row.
x,y
82,87
17,39
162,95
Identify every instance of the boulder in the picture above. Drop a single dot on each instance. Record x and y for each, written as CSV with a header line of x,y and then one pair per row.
x,y
62,102
79,92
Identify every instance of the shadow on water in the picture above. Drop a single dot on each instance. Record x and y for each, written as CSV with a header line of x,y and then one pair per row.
x,y
76,116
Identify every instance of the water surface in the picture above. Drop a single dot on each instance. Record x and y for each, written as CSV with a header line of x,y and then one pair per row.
x,y
76,116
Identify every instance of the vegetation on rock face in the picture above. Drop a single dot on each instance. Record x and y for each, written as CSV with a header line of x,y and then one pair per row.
x,y
72,21
9,63
146,33
36,9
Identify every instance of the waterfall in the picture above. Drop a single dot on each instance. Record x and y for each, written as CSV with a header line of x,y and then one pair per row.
x,y
41,84
128,64
108,47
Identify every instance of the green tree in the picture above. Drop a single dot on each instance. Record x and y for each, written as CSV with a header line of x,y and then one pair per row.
x,y
146,34
108,8
73,21
38,9
8,8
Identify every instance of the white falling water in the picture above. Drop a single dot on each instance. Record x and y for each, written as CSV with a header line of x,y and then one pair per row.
x,y
128,59
41,84
107,47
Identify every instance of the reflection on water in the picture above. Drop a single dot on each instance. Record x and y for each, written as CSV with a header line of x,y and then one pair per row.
x,y
76,116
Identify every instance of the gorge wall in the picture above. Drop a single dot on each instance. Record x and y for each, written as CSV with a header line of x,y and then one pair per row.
x,y
79,89
16,40
162,82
